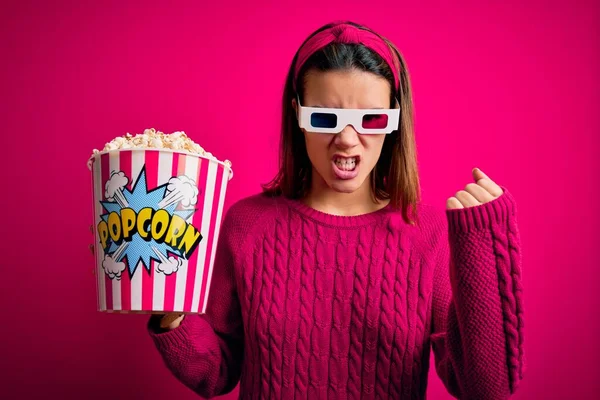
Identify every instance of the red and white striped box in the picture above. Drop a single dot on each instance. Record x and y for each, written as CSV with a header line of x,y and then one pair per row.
x,y
157,214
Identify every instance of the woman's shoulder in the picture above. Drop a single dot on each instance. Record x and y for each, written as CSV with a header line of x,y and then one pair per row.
x,y
432,225
431,218
252,210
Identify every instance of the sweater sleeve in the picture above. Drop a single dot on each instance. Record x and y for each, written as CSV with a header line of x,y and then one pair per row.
x,y
205,351
477,309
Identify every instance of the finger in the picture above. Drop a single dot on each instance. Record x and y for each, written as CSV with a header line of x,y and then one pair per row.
x,y
479,174
490,186
479,193
485,182
453,203
466,198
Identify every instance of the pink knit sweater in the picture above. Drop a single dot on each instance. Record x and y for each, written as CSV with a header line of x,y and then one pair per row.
x,y
305,304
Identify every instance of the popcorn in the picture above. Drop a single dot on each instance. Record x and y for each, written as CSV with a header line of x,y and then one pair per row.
x,y
152,138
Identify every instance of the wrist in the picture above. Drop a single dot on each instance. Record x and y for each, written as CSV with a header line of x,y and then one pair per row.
x,y
171,320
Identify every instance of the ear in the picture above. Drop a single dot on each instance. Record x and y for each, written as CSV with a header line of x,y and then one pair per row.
x,y
295,107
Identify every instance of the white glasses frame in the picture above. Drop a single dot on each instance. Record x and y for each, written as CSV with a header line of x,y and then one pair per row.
x,y
349,116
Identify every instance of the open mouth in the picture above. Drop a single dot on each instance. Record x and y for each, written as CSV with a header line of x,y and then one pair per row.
x,y
346,163
345,168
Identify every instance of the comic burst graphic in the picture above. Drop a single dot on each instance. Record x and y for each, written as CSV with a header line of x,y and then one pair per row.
x,y
178,198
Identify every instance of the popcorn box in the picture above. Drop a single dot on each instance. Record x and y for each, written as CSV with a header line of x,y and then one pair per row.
x,y
157,214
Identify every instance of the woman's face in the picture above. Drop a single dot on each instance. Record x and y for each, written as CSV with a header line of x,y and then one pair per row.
x,y
344,161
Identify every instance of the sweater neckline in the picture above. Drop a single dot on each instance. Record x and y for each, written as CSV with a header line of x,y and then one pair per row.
x,y
338,220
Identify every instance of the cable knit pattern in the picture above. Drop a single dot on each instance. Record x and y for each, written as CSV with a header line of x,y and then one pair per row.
x,y
309,305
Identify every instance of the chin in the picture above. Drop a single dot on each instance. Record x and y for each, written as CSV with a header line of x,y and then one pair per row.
x,y
348,186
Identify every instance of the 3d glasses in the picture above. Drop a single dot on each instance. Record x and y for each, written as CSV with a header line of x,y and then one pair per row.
x,y
334,120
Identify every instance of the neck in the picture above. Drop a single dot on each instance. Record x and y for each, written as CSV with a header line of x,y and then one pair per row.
x,y
325,199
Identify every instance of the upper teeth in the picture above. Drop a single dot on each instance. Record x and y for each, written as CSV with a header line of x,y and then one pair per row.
x,y
345,161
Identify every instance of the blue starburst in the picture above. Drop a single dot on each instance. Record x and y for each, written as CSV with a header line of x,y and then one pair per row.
x,y
139,249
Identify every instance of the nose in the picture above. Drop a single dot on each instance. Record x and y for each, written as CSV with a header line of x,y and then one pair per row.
x,y
347,138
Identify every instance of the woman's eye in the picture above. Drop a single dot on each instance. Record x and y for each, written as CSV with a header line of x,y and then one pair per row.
x,y
374,121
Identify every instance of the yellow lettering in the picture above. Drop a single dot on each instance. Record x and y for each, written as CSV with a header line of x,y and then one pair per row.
x,y
149,224
160,224
114,226
128,217
103,233
190,240
176,230
143,216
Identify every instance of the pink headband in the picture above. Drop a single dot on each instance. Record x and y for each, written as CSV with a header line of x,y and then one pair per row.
x,y
349,34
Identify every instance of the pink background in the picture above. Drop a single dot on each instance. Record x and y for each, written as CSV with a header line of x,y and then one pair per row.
x,y
511,88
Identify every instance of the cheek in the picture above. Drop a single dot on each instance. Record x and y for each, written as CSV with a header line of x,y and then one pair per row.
x,y
373,145
316,146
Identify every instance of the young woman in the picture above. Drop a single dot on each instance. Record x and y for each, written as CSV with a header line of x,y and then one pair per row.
x,y
336,281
